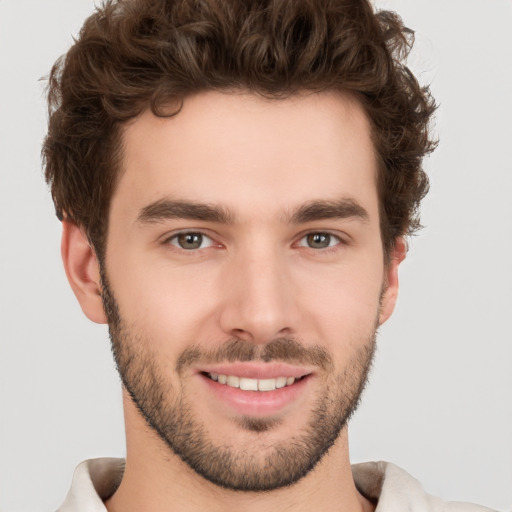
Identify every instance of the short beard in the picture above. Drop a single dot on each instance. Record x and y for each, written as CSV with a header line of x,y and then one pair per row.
x,y
169,413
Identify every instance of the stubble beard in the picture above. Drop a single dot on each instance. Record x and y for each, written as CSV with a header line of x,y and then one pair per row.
x,y
170,415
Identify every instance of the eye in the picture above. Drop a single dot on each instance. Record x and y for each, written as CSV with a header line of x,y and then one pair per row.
x,y
191,241
319,240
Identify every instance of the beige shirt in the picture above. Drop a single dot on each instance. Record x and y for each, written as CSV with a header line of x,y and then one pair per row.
x,y
392,488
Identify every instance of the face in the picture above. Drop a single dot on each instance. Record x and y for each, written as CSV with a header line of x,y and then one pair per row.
x,y
244,279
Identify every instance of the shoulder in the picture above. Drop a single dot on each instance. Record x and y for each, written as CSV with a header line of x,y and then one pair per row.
x,y
395,490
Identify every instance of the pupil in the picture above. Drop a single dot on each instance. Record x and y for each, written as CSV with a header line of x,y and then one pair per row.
x,y
319,240
190,240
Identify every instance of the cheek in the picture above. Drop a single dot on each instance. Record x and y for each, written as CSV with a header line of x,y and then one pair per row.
x,y
160,300
342,304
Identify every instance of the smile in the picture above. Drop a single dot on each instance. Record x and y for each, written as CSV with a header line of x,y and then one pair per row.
x,y
255,388
247,384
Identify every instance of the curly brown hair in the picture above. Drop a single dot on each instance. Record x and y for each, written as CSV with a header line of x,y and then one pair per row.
x,y
132,55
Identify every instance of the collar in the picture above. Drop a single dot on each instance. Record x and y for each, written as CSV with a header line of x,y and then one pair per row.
x,y
393,489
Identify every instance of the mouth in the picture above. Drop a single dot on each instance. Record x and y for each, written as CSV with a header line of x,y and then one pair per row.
x,y
249,384
257,390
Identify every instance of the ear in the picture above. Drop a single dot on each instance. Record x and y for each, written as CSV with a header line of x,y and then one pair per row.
x,y
83,271
390,295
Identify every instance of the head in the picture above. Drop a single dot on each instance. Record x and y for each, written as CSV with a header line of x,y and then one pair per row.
x,y
236,181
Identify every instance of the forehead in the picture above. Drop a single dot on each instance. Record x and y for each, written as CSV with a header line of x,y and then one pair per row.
x,y
250,154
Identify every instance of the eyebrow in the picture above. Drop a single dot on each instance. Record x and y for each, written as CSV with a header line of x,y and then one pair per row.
x,y
165,209
345,208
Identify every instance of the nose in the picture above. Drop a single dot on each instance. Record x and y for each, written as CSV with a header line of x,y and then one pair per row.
x,y
259,298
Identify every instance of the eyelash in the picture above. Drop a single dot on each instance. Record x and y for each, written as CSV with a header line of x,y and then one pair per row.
x,y
338,241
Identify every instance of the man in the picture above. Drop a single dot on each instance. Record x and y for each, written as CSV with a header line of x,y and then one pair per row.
x,y
236,182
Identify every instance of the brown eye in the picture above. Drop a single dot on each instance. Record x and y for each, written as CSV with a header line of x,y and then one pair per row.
x,y
191,241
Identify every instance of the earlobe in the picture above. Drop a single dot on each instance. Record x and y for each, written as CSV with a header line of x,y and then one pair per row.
x,y
82,271
390,295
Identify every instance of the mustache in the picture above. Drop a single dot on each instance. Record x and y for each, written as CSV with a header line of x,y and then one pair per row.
x,y
285,350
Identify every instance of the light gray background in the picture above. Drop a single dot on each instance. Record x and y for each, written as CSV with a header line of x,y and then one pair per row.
x,y
440,399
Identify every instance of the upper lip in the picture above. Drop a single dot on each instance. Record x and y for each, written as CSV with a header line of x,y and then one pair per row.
x,y
257,370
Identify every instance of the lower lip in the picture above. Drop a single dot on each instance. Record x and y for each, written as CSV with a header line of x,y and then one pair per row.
x,y
257,403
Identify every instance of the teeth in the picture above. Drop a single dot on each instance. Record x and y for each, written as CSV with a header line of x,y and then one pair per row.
x,y
247,384
267,384
233,381
281,382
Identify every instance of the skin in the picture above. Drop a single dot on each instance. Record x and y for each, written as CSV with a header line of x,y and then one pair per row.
x,y
256,278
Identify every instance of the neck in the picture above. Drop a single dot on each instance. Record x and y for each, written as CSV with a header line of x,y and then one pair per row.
x,y
156,479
